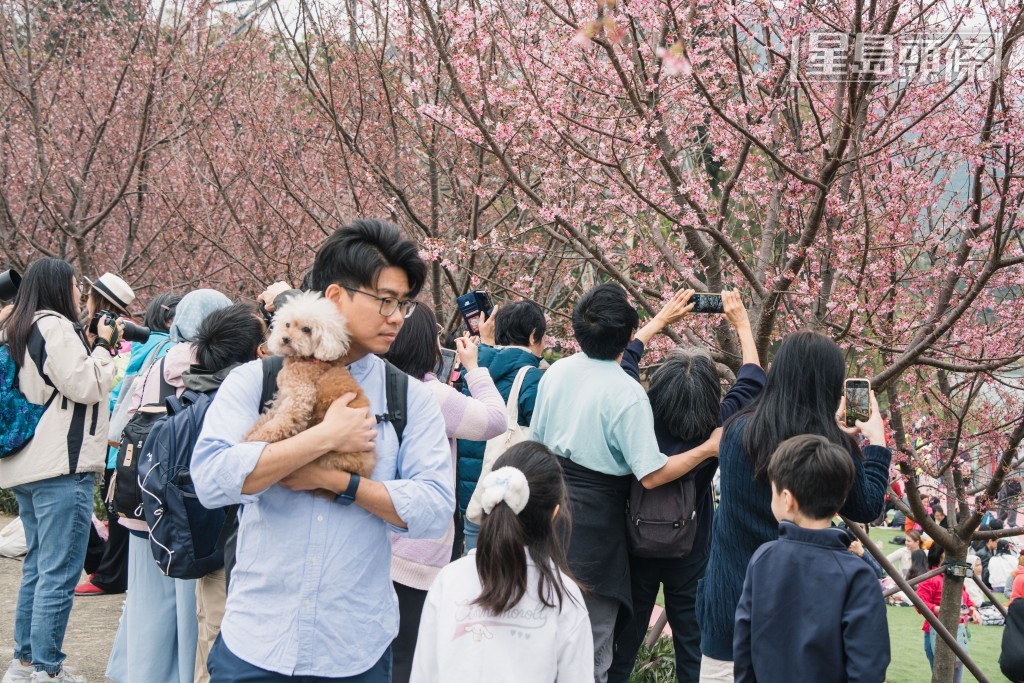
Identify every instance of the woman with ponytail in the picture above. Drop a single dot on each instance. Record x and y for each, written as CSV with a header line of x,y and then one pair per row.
x,y
510,611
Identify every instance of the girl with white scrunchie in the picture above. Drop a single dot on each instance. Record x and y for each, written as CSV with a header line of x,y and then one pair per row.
x,y
510,611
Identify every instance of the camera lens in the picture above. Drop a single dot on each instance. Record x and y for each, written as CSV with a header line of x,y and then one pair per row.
x,y
135,333
10,280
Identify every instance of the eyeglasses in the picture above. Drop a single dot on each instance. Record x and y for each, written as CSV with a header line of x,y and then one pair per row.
x,y
388,304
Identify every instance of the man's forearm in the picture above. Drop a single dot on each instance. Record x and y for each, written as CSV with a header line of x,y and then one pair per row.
x,y
372,496
678,465
280,459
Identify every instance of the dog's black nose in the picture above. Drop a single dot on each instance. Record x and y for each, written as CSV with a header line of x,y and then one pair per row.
x,y
285,340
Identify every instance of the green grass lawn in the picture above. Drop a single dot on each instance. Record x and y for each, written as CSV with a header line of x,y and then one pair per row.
x,y
909,665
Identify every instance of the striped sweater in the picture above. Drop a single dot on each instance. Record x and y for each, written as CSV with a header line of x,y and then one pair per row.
x,y
480,416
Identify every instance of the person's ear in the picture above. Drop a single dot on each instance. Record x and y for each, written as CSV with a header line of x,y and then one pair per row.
x,y
789,502
334,293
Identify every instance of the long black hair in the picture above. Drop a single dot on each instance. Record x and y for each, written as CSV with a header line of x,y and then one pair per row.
x,y
415,350
46,286
506,537
160,312
918,564
801,396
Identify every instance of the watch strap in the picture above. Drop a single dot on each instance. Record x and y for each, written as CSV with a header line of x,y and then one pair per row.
x,y
348,496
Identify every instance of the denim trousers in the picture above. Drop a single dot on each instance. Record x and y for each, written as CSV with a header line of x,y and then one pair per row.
x,y
56,514
471,532
226,667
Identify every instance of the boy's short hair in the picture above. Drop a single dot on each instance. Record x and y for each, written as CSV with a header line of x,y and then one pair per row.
x,y
517,322
816,471
604,321
355,255
228,336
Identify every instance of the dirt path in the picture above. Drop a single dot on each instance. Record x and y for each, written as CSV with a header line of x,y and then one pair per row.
x,y
90,633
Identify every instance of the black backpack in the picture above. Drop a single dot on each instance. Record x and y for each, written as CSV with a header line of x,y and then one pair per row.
x,y
396,386
125,492
661,522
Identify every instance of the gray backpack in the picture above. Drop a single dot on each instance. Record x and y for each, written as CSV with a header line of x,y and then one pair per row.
x,y
661,522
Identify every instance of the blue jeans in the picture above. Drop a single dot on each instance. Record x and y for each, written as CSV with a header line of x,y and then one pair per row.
x,y
929,652
225,667
471,532
56,514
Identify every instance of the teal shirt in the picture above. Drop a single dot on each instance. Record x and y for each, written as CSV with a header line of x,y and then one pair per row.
x,y
593,413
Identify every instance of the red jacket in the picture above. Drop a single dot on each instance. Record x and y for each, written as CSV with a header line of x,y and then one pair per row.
x,y
930,591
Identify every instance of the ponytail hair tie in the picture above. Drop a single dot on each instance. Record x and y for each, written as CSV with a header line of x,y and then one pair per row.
x,y
505,485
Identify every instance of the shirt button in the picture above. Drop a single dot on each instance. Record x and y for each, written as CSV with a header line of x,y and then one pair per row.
x,y
319,518
306,603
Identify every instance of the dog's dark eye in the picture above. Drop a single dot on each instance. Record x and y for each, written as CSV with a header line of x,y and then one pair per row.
x,y
287,324
306,330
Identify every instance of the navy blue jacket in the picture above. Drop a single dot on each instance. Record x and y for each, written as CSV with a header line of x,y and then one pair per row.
x,y
810,611
503,364
750,381
744,521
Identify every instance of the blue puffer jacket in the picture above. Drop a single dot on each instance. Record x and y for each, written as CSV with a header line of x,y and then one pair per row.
x,y
503,365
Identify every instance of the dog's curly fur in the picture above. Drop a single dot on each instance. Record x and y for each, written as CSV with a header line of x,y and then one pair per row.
x,y
312,335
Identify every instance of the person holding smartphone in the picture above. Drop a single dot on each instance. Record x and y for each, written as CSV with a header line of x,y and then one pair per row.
x,y
803,395
510,339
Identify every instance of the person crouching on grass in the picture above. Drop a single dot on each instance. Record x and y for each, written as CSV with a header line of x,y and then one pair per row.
x,y
810,610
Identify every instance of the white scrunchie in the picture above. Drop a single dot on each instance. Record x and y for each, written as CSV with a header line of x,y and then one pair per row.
x,y
508,485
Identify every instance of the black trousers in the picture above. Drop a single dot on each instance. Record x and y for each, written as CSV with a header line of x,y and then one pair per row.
x,y
680,579
108,562
410,609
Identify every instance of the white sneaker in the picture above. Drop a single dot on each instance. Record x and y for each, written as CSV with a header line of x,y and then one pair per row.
x,y
64,676
18,672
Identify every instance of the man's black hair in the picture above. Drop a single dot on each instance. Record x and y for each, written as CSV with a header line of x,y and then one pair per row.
x,y
228,336
817,472
604,321
516,323
355,255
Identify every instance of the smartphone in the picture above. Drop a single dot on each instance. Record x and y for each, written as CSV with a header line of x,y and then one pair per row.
x,y
472,305
444,372
705,302
858,400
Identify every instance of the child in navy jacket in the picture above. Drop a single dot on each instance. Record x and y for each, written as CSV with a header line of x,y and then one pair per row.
x,y
810,609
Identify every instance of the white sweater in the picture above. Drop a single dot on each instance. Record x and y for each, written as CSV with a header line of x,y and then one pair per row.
x,y
460,641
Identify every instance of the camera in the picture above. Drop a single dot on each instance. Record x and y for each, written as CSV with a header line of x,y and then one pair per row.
x,y
10,280
131,331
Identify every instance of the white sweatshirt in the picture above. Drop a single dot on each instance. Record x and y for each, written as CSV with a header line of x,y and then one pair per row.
x,y
460,641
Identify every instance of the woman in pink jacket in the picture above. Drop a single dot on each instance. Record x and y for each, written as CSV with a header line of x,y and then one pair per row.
x,y
480,416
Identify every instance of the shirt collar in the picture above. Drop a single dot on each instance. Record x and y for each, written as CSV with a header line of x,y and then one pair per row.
x,y
829,538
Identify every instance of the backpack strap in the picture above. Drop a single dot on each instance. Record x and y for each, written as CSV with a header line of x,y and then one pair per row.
x,y
512,407
396,390
36,348
271,365
166,390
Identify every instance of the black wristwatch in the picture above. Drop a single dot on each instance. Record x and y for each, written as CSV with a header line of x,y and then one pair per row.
x,y
348,496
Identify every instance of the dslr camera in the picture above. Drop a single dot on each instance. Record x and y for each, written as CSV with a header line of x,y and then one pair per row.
x,y
131,331
10,280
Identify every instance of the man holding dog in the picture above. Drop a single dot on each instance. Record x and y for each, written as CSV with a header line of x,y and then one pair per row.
x,y
310,594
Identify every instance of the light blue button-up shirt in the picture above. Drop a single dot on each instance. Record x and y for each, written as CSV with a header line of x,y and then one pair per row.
x,y
311,591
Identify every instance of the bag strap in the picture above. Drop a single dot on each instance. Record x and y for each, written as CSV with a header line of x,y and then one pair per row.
x,y
271,365
512,407
166,390
396,390
36,348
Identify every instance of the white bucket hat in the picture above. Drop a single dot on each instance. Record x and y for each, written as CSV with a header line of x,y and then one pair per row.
x,y
114,289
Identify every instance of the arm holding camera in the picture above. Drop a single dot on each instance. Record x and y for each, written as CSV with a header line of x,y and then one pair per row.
x,y
736,314
83,376
670,314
